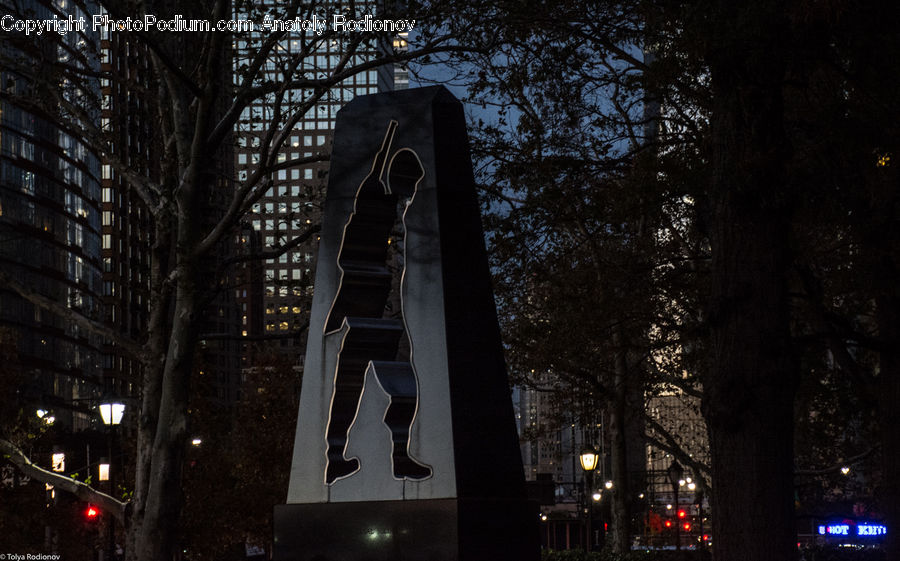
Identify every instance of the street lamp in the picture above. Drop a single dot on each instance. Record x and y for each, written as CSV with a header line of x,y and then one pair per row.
x,y
698,498
676,477
589,460
45,416
111,411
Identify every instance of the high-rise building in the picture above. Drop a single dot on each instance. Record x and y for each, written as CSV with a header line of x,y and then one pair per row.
x,y
50,247
50,226
127,116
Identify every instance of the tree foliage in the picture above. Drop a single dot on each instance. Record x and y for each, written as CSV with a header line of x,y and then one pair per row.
x,y
243,451
592,222
708,191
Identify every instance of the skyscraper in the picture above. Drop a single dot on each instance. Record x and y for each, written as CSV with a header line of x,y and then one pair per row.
x,y
50,223
127,115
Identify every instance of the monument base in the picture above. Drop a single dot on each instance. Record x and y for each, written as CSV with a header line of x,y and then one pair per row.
x,y
414,530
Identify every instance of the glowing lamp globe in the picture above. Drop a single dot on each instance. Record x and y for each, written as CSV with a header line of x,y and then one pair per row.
x,y
112,412
589,459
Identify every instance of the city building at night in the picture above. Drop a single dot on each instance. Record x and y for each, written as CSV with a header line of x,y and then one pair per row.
x,y
127,116
50,240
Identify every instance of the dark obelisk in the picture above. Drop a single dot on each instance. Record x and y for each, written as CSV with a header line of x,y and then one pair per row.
x,y
406,446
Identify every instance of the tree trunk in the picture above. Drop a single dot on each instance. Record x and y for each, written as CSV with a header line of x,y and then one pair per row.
x,y
156,537
882,243
189,166
151,383
621,512
750,384
888,317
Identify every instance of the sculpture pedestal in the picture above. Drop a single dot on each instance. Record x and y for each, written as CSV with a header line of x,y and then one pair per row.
x,y
420,530
406,446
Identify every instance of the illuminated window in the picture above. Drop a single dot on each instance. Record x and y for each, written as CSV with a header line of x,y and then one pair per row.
x,y
58,462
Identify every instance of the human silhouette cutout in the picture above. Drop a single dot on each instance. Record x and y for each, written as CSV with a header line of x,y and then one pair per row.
x,y
364,307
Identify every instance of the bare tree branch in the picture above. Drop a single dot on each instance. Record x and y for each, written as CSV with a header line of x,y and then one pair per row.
x,y
670,444
81,490
293,334
838,466
275,253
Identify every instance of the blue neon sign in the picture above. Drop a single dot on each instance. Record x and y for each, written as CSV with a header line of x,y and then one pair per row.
x,y
871,530
835,530
863,530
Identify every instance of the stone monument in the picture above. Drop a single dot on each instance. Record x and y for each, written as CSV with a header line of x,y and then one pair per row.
x,y
406,446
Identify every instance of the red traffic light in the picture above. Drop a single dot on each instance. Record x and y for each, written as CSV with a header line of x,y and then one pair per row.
x,y
91,512
682,514
668,523
687,526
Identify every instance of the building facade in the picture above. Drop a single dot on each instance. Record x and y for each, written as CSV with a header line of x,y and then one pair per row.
x,y
50,231
127,235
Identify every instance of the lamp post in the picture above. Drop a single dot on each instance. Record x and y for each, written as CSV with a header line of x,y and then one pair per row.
x,y
676,477
589,460
111,411
698,498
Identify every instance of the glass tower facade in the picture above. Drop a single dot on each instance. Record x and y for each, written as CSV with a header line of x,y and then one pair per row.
x,y
50,224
